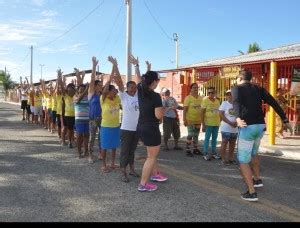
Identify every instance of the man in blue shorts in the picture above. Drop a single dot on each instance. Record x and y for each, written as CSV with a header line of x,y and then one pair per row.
x,y
247,104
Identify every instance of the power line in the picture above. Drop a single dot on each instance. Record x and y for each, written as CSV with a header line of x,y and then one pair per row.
x,y
156,21
110,33
74,26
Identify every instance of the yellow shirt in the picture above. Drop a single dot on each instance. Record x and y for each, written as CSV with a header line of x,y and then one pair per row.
x,y
193,114
69,106
38,101
44,101
29,99
54,103
212,116
49,101
59,104
110,112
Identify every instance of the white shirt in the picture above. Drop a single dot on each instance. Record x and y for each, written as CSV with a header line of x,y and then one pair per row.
x,y
23,97
131,112
229,114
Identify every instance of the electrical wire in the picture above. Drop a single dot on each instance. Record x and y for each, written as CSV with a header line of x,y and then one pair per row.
x,y
74,26
156,21
111,31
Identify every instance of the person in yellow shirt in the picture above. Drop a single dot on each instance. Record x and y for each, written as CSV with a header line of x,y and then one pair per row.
x,y
210,123
110,125
38,106
58,94
192,119
68,110
54,109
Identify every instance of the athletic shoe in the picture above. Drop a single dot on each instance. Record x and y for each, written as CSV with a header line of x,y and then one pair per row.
x,y
249,197
207,157
258,183
216,156
147,188
159,178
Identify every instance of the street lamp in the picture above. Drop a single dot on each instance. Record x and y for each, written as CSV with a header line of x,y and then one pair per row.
x,y
41,65
175,36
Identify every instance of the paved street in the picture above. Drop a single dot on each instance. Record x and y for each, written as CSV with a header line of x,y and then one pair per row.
x,y
41,181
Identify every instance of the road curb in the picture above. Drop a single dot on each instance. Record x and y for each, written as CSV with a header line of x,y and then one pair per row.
x,y
279,153
13,103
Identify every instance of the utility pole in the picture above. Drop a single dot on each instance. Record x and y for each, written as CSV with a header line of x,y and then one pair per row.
x,y
175,36
5,71
129,39
41,65
31,64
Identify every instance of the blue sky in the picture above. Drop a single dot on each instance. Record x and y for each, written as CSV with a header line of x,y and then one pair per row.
x,y
207,29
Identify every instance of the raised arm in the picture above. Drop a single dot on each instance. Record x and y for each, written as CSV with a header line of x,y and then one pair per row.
x,y
118,78
148,64
77,74
106,86
79,97
93,77
135,62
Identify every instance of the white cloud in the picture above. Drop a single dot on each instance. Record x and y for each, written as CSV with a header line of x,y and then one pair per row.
x,y
7,63
49,13
38,2
5,51
75,48
28,30
16,33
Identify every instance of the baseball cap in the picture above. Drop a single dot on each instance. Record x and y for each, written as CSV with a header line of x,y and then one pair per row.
x,y
228,91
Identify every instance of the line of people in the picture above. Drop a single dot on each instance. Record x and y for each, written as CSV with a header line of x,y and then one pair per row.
x,y
78,110
93,106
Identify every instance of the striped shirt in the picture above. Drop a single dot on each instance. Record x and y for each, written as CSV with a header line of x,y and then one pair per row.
x,y
82,111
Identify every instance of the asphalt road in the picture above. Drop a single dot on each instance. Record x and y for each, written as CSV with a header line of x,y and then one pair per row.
x,y
41,181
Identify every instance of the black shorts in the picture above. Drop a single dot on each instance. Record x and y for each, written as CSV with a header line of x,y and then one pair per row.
x,y
70,122
24,104
58,121
53,115
28,109
149,133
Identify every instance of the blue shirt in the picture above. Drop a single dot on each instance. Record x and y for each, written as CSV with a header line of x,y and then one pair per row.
x,y
95,108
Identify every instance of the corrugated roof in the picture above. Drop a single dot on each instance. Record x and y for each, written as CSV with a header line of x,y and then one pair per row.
x,y
280,53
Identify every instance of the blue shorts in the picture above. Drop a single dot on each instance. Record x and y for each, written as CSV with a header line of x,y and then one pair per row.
x,y
110,137
249,142
82,128
227,136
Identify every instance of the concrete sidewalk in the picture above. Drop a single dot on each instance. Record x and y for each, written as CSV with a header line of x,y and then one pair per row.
x,y
288,148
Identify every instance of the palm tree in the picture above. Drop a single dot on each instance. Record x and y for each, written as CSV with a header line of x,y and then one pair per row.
x,y
8,83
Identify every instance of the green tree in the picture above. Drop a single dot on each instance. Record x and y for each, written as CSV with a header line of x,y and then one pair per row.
x,y
254,48
251,49
8,83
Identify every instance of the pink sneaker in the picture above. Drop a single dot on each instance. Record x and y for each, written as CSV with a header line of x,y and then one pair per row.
x,y
159,178
147,188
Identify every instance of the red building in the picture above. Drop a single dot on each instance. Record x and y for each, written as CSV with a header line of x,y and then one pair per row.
x,y
271,69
